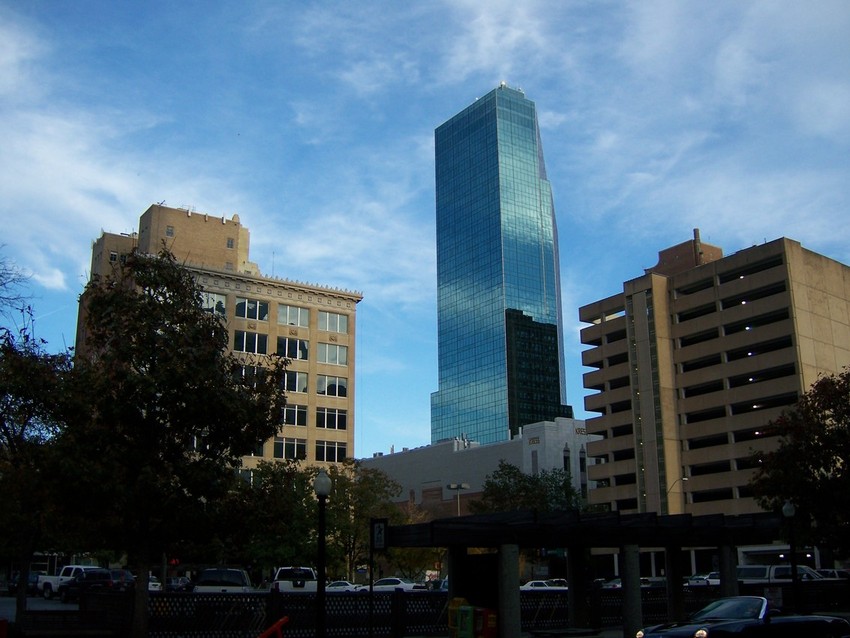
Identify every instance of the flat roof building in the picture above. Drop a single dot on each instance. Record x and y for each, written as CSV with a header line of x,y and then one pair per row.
x,y
313,326
694,358
444,477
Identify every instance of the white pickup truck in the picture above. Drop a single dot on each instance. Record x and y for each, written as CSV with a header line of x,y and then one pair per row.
x,y
49,585
294,579
774,573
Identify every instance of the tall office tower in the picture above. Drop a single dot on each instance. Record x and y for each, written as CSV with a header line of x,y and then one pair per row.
x,y
313,326
694,358
500,345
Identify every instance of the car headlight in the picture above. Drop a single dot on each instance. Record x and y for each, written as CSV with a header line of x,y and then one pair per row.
x,y
701,633
639,634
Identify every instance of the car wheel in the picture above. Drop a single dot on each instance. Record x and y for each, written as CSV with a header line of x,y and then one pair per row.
x,y
63,595
47,592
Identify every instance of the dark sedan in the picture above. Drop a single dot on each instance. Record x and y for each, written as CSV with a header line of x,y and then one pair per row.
x,y
748,616
32,585
90,579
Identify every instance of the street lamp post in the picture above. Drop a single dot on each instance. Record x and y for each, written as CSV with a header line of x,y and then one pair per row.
x,y
789,511
322,486
457,487
681,479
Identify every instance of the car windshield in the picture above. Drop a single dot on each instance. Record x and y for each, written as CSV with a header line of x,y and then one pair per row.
x,y
221,577
294,573
733,608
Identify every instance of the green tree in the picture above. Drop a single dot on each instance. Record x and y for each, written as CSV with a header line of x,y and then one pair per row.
x,y
810,466
281,516
359,494
412,562
32,386
169,412
509,489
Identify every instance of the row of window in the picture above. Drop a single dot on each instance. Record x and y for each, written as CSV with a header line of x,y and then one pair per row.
x,y
294,448
258,310
289,347
326,385
327,418
731,275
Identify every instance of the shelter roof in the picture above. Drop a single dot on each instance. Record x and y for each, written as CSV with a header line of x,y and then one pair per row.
x,y
575,529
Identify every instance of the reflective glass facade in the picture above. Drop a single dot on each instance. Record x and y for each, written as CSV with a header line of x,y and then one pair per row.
x,y
500,354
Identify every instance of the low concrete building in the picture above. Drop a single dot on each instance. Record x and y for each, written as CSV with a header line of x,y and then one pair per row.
x,y
444,477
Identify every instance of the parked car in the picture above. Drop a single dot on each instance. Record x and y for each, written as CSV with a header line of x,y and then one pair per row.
x,y
298,579
122,579
223,580
342,585
393,583
554,584
91,579
748,616
49,585
178,583
617,583
32,584
711,578
153,583
757,574
833,574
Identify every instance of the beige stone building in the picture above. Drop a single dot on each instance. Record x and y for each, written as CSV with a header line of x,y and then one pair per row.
x,y
313,326
694,358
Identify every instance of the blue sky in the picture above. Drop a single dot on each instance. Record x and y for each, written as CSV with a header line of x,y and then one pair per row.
x,y
314,122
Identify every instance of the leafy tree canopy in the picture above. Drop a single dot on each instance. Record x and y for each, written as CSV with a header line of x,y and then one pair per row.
x,y
810,466
32,400
509,489
167,411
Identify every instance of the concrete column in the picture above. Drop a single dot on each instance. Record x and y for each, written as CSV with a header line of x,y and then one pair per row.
x,y
675,591
728,570
508,617
578,594
632,611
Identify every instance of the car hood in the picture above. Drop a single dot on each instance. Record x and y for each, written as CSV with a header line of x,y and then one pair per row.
x,y
685,628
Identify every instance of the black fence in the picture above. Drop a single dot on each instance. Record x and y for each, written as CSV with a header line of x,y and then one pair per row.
x,y
382,615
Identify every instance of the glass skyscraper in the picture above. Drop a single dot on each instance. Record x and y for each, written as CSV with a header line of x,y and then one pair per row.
x,y
500,344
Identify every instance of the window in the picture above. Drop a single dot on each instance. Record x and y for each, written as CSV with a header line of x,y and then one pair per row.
x,y
293,316
331,419
113,256
331,451
258,450
332,386
294,415
250,375
253,342
169,231
332,353
230,242
290,448
252,309
332,322
295,382
214,303
292,348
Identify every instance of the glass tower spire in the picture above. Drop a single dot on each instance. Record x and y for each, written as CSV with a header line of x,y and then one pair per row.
x,y
500,344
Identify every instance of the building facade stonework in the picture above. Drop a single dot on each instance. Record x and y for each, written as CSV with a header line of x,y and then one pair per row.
x,y
313,326
692,360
